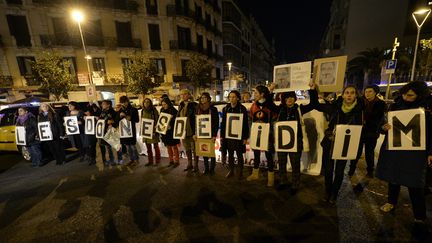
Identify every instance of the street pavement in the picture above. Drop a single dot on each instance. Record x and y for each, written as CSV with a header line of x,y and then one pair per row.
x,y
80,203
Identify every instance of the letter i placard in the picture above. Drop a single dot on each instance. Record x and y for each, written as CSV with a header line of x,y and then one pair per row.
x,y
347,141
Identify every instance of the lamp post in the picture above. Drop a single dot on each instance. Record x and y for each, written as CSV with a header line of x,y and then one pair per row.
x,y
229,75
78,17
419,22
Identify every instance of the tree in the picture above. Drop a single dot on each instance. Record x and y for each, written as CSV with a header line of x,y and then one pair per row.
x,y
368,64
52,72
199,70
142,75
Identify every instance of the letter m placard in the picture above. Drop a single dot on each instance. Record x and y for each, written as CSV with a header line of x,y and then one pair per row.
x,y
408,130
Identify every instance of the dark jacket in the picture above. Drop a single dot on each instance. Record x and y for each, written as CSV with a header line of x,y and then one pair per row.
x,y
80,119
168,139
373,117
152,114
56,124
190,114
233,144
292,114
31,130
214,114
403,167
132,114
265,112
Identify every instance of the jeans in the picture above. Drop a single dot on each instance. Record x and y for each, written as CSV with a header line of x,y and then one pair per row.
x,y
257,159
336,168
35,153
132,151
295,167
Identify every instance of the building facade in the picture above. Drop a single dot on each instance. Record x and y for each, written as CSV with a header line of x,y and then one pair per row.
x,y
246,47
169,32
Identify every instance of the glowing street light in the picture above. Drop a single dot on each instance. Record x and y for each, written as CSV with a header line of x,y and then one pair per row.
x,y
229,75
78,17
420,17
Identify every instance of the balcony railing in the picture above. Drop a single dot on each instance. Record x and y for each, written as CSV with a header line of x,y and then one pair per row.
x,y
173,10
176,45
108,42
6,81
126,5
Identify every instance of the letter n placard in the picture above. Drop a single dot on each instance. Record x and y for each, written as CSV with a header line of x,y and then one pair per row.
x,y
347,141
286,136
408,130
234,126
125,128
259,137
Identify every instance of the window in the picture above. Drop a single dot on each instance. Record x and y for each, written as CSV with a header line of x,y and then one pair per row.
x,y
151,6
98,64
155,41
184,63
93,33
198,12
207,20
19,2
7,117
216,49
184,38
125,64
200,43
73,65
60,32
19,29
160,64
124,34
337,41
209,47
218,76
182,6
24,64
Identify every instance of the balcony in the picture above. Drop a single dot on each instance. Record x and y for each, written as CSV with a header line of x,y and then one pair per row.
x,y
115,79
176,45
134,43
126,5
173,11
52,40
6,81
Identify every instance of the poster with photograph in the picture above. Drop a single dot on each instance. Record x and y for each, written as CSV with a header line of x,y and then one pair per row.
x,y
329,73
205,148
408,130
291,77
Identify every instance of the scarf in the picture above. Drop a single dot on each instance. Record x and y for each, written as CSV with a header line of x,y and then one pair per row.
x,y
22,119
347,108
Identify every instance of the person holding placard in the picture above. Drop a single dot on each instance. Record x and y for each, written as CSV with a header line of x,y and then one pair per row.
x,y
187,109
27,120
150,112
205,107
238,132
108,115
407,167
55,144
167,138
347,109
290,111
263,110
129,113
373,116
78,140
93,111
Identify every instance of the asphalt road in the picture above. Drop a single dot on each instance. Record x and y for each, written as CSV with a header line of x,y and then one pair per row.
x,y
80,203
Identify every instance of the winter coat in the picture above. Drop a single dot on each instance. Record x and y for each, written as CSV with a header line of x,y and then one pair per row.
x,y
403,167
373,118
214,118
188,110
31,130
292,114
265,112
56,124
234,144
152,114
132,114
80,118
168,139
107,115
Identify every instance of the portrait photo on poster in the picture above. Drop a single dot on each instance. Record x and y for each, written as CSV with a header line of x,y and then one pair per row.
x,y
291,77
329,73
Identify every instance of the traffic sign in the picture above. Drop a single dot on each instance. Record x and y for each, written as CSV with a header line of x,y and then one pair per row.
x,y
390,66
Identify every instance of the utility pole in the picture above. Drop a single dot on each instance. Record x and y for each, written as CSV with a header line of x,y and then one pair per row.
x,y
395,46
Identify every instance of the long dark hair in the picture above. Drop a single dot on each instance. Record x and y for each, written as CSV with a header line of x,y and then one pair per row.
x,y
51,111
419,87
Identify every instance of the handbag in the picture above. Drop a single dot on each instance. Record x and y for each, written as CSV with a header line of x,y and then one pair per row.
x,y
112,137
303,127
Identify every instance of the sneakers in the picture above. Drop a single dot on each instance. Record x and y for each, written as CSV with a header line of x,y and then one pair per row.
x,y
386,208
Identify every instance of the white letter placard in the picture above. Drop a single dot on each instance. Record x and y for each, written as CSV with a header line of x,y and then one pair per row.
x,y
45,133
147,126
408,130
203,126
71,125
347,140
163,122
180,128
20,135
234,126
125,128
259,137
286,136
89,122
100,128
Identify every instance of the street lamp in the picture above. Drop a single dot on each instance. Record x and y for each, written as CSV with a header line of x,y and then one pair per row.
x,y
229,75
78,17
419,17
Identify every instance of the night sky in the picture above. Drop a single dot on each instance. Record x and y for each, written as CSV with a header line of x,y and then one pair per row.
x,y
296,26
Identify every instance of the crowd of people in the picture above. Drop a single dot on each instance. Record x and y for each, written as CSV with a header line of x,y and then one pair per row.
x,y
397,167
